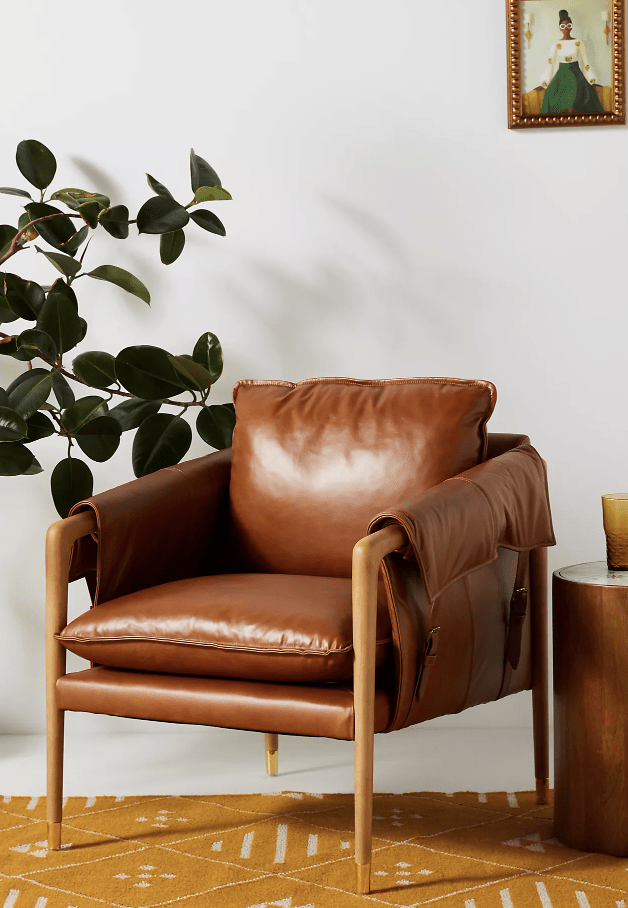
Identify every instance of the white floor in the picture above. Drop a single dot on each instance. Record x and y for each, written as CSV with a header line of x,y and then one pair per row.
x,y
213,761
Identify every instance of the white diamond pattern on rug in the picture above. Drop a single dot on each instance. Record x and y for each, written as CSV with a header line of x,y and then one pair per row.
x,y
536,844
36,849
145,873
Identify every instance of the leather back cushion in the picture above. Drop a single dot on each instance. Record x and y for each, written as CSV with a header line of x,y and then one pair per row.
x,y
314,462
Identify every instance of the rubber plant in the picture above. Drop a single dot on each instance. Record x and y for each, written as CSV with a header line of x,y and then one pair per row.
x,y
133,386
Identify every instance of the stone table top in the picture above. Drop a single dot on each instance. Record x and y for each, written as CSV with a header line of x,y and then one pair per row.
x,y
594,572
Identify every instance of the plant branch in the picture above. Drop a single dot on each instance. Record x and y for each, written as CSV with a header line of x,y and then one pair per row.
x,y
16,245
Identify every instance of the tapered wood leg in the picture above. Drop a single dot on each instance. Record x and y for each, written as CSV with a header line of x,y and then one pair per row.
x,y
540,680
272,756
54,798
367,556
59,540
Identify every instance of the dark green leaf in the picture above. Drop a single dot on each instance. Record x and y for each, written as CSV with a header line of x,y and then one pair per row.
x,y
29,391
33,342
157,187
39,426
116,221
71,481
89,211
194,376
201,173
6,237
171,246
31,234
12,425
36,163
8,347
95,368
161,214
6,313
25,298
60,286
148,373
62,390
211,194
4,398
83,411
34,468
83,326
215,425
73,244
208,221
100,438
56,231
60,320
15,459
161,441
132,413
63,263
208,353
74,198
121,278
8,190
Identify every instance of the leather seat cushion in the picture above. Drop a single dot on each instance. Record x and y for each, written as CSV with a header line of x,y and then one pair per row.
x,y
263,627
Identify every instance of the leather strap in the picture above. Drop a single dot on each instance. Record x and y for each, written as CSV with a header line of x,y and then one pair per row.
x,y
515,620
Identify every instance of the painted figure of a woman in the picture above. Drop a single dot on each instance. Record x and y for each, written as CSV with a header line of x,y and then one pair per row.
x,y
568,79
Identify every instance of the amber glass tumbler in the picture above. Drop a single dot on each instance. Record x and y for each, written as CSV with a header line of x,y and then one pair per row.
x,y
615,513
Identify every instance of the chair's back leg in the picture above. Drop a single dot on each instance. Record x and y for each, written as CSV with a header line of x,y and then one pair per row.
x,y
540,692
272,756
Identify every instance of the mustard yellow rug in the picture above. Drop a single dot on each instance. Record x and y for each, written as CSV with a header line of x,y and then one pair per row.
x,y
295,850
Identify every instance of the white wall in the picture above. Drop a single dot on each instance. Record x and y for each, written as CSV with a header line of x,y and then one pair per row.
x,y
385,223
588,26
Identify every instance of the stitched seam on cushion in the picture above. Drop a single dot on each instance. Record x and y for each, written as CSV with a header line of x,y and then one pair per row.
x,y
242,649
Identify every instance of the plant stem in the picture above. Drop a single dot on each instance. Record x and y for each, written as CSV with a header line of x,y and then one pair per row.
x,y
16,246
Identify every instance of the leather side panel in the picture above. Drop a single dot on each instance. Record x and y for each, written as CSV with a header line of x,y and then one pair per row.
x,y
313,710
159,528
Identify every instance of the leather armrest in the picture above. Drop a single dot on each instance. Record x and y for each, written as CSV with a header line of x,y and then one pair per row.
x,y
456,527
156,529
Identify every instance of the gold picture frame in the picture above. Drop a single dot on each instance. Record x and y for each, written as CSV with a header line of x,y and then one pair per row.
x,y
526,100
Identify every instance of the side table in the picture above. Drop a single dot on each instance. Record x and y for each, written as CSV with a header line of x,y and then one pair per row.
x,y
590,624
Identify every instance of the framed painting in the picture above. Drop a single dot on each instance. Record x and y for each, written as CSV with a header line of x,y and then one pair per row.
x,y
565,63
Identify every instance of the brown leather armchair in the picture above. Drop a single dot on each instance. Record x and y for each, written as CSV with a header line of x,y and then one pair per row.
x,y
361,560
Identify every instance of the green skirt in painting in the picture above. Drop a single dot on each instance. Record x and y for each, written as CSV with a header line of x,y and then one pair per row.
x,y
569,88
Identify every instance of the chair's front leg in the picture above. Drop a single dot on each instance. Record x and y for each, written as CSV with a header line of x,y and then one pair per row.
x,y
59,540
367,557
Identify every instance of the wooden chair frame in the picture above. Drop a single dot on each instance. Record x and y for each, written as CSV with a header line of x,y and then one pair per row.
x,y
367,557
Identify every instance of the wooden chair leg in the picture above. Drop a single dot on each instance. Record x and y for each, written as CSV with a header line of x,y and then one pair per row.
x,y
59,540
272,756
540,680
54,799
367,556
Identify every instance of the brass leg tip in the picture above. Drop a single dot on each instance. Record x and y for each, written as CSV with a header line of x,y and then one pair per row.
x,y
542,791
272,762
54,836
363,877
